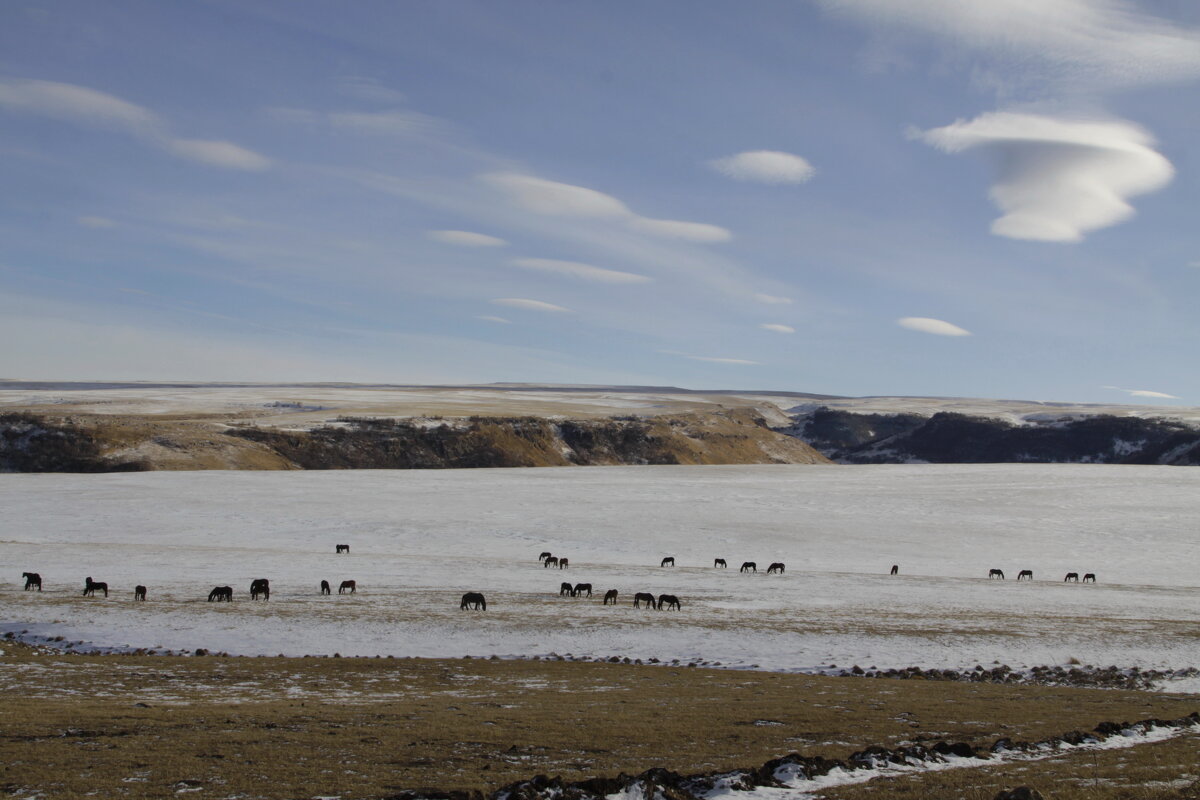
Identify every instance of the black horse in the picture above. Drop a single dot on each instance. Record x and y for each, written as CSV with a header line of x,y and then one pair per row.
x,y
1089,577
610,595
644,597
348,586
32,581
221,593
324,587
139,592
260,586
748,566
562,563
719,562
545,554
1025,574
473,600
566,588
995,573
668,560
550,560
668,601
895,569
342,548
1072,576
580,588
776,567
90,587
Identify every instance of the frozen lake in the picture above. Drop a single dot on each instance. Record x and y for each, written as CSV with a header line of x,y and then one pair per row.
x,y
419,539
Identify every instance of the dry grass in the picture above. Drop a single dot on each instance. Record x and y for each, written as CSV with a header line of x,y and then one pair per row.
x,y
137,726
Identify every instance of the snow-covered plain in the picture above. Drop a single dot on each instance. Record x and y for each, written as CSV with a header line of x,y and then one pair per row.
x,y
419,539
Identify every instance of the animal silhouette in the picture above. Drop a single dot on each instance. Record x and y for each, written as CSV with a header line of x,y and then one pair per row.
x,y
32,581
995,573
342,548
260,586
473,600
719,562
669,601
139,592
348,587
644,597
610,595
776,567
90,587
748,566
221,594
668,561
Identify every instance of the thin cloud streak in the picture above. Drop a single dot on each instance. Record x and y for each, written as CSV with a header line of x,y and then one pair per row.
x,y
467,239
937,327
578,270
765,166
530,305
777,327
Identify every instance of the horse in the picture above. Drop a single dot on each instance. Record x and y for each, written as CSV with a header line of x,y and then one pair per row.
x,y
545,554
32,579
644,597
668,560
995,573
324,587
1025,573
260,586
90,586
719,562
566,588
747,566
342,548
220,593
350,586
139,592
1072,576
550,560
562,563
669,601
776,567
1089,577
473,600
895,569
611,594
580,588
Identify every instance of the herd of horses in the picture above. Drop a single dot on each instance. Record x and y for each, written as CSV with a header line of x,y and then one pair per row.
x,y
1027,575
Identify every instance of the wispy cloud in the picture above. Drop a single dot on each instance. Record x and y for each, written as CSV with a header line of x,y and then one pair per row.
x,y
937,327
1059,178
96,222
530,305
772,300
466,239
715,360
765,166
1144,393
82,106
384,123
370,90
777,327
576,269
490,318
678,229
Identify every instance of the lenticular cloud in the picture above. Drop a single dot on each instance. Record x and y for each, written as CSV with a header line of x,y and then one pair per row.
x,y
1059,178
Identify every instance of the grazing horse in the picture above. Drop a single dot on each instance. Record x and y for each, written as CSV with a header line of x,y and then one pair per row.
x,y
260,586
611,594
342,548
895,569
1025,573
324,587
644,597
562,563
747,566
580,588
566,588
473,600
776,567
90,587
719,562
139,592
220,593
32,579
995,573
348,586
1072,576
1089,577
668,601
545,554
550,560
668,560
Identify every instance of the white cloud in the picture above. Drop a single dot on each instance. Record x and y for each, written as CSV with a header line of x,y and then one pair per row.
x,y
530,305
96,222
576,269
678,229
556,199
777,327
1059,178
765,166
384,123
771,299
84,106
466,239
1144,393
489,318
369,89
934,326
713,360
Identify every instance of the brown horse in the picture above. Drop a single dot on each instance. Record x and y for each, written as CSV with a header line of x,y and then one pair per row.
x,y
221,593
473,600
260,586
669,601
341,548
348,586
1089,577
90,587
32,580
324,587
580,588
776,567
748,566
644,597
719,562
1072,576
610,595
566,588
1025,574
139,592
669,560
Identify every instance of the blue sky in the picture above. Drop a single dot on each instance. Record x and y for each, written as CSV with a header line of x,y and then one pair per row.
x,y
856,197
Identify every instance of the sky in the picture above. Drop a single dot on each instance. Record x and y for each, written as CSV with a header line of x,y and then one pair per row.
x,y
855,197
